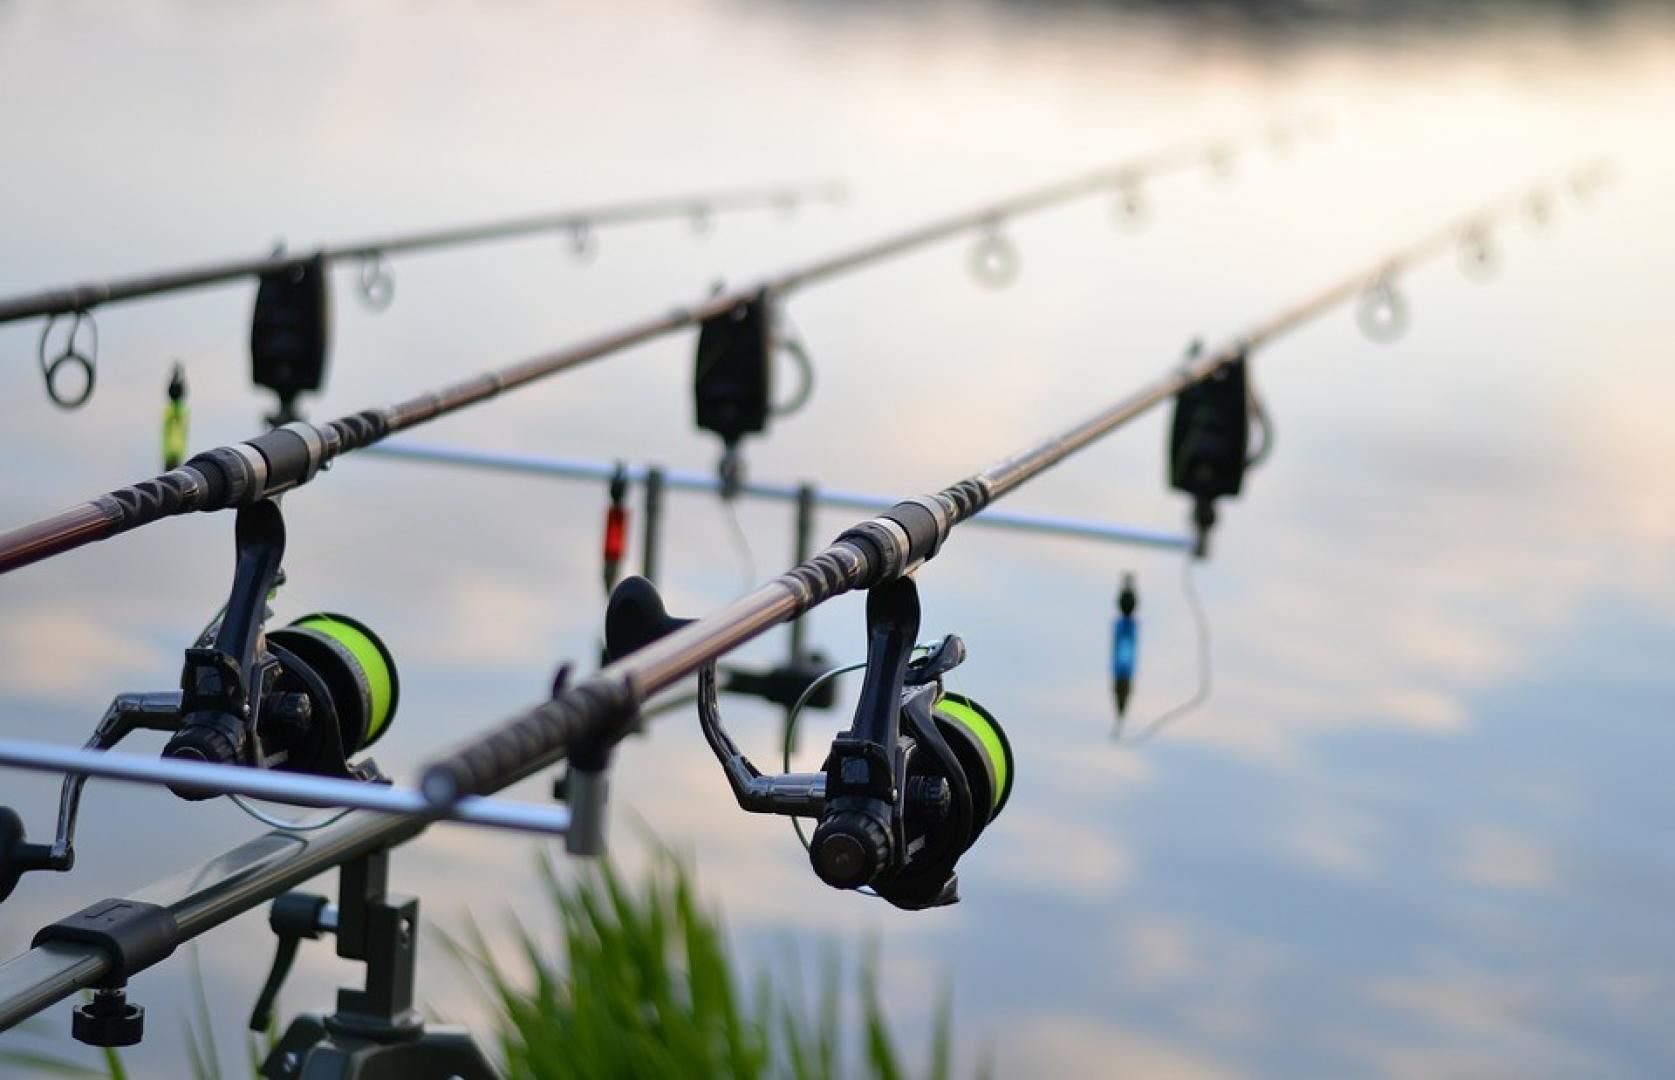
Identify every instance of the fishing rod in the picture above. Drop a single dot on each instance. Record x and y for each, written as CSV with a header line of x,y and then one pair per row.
x,y
291,298
888,548
915,758
736,343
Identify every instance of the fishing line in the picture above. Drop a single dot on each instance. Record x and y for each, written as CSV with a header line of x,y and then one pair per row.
x,y
281,823
1259,414
1264,421
1201,629
741,543
795,714
791,344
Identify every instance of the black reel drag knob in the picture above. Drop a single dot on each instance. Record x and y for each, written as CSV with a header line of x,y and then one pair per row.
x,y
217,741
850,848
202,744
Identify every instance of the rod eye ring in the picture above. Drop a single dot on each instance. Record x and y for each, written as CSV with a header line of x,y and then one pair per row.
x,y
703,221
1219,160
1478,259
376,281
994,259
1382,314
1130,209
74,355
584,245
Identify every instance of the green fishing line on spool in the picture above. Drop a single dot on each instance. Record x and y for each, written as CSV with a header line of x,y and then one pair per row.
x,y
996,750
354,657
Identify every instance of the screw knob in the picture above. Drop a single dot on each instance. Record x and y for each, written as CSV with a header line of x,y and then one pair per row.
x,y
849,849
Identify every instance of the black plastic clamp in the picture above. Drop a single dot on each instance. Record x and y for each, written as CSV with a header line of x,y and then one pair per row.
x,y
133,933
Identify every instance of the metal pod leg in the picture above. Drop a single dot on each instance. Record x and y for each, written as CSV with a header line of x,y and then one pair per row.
x,y
376,1031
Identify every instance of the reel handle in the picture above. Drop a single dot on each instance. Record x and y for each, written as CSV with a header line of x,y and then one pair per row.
x,y
635,617
17,856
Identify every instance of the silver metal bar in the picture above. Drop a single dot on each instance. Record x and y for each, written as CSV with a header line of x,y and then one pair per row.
x,y
205,896
577,468
297,789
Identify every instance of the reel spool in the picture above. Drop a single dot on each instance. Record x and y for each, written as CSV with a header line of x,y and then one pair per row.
x,y
350,681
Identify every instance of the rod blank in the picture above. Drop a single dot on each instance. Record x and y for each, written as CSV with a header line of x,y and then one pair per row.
x,y
66,300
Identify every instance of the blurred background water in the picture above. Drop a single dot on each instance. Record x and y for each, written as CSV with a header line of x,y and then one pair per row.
x,y
1418,830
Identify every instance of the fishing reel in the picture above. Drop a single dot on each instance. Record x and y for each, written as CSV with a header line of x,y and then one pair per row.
x,y
301,699
904,792
304,698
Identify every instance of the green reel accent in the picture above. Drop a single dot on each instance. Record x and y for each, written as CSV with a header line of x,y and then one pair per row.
x,y
981,724
372,664
175,417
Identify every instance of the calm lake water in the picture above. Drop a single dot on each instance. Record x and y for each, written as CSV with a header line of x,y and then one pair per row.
x,y
1419,827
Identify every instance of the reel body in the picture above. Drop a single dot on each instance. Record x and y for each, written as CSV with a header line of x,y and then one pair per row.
x,y
904,792
303,698
917,777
